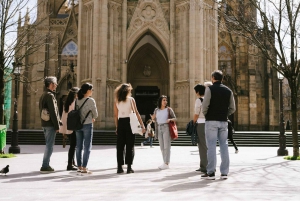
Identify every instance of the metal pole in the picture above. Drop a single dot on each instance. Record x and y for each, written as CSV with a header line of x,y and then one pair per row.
x,y
15,149
282,151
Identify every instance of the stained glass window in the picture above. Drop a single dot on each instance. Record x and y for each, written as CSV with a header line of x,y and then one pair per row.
x,y
69,54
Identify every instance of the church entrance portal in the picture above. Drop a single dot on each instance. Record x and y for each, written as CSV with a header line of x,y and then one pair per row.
x,y
148,73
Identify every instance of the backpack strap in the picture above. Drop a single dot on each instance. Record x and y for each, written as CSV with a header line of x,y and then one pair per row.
x,y
201,99
81,107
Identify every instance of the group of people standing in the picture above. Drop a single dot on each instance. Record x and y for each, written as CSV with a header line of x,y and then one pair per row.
x,y
81,139
214,103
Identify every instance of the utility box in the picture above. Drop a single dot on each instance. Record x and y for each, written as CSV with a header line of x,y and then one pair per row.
x,y
2,138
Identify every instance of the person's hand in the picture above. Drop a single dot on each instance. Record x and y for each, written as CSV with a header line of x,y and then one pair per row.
x,y
144,130
94,120
57,131
116,131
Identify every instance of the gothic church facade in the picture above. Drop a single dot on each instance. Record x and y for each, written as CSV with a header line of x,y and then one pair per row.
x,y
159,46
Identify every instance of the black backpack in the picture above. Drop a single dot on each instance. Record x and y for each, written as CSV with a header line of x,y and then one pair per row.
x,y
73,120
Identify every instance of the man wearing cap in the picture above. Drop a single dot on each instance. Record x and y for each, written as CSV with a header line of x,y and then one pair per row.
x,y
50,127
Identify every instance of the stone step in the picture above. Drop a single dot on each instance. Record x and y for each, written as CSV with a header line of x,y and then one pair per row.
x,y
108,137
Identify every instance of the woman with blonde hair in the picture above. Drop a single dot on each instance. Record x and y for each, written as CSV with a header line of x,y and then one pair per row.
x,y
123,106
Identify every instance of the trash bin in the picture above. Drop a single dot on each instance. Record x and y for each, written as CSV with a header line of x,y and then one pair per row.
x,y
2,138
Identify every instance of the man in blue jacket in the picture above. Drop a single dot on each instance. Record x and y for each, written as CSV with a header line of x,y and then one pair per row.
x,y
50,127
217,105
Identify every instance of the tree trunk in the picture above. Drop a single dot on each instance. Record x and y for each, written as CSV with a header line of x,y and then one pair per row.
x,y
2,67
294,118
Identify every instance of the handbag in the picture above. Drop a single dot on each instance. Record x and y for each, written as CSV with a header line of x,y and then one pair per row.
x,y
151,133
45,115
135,125
173,128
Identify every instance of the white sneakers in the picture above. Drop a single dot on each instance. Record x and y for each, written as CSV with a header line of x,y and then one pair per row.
x,y
163,167
142,144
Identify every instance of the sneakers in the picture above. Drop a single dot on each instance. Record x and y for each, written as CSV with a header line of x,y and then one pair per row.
x,y
223,176
46,170
236,151
79,169
86,171
208,176
142,144
163,167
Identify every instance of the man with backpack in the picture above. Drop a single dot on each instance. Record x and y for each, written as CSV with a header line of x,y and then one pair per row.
x,y
199,123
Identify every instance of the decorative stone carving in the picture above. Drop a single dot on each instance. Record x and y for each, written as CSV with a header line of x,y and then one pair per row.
x,y
148,13
147,71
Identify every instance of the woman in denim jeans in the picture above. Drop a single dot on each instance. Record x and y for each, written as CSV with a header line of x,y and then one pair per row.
x,y
84,136
162,116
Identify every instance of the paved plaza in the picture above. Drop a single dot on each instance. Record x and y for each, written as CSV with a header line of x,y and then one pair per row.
x,y
256,173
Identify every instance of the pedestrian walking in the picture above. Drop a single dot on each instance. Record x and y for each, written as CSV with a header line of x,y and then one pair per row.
x,y
68,106
123,106
162,116
50,125
148,134
217,105
84,136
230,135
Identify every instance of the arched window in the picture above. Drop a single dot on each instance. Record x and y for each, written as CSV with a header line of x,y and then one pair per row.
x,y
69,54
225,60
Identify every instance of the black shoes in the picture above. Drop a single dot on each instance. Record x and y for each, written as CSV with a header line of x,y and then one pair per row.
x,y
120,170
71,168
208,176
130,170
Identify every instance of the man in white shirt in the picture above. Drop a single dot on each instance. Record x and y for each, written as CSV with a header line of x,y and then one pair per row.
x,y
199,122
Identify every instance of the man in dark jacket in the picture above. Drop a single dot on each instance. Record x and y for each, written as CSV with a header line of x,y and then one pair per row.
x,y
217,105
50,127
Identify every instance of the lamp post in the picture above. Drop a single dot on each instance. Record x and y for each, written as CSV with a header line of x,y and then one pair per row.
x,y
282,151
15,149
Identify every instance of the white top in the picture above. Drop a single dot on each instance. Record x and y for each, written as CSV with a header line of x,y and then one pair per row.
x,y
148,130
64,117
198,110
162,116
124,108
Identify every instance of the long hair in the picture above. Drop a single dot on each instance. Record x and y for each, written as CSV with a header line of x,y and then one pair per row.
x,y
70,98
160,100
84,88
122,91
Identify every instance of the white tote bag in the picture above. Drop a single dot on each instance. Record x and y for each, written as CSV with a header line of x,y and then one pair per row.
x,y
134,122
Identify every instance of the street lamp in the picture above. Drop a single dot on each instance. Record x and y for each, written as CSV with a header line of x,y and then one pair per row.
x,y
282,151
15,149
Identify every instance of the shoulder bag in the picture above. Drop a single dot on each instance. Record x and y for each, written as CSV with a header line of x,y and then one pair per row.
x,y
172,127
136,128
45,115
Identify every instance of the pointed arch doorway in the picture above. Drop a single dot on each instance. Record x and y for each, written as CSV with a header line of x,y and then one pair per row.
x,y
148,73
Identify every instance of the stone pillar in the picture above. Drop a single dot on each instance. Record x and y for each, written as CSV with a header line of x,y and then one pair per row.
x,y
102,68
172,53
124,40
95,60
192,58
215,36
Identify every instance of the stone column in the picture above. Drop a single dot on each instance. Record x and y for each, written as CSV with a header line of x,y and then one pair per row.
x,y
124,40
172,53
102,68
192,58
215,36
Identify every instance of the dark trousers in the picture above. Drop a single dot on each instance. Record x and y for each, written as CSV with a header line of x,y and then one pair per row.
x,y
125,138
230,137
72,140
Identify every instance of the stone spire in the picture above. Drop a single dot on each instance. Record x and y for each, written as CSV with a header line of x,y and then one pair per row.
x,y
27,18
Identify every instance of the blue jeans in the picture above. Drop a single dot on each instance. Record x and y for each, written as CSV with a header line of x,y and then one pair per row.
x,y
217,130
49,133
149,140
84,139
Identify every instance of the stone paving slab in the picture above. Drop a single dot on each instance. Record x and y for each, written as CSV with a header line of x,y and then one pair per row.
x,y
256,173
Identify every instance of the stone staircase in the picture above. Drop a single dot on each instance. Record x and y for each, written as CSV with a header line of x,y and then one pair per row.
x,y
108,137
